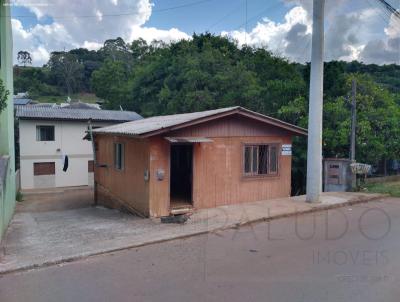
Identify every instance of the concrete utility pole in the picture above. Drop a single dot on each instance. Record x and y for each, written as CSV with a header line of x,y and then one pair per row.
x,y
314,148
353,121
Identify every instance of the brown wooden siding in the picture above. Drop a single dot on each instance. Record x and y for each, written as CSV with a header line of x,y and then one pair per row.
x,y
230,126
219,179
217,167
129,184
159,189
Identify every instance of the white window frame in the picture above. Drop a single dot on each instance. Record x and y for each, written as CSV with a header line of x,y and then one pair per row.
x,y
39,133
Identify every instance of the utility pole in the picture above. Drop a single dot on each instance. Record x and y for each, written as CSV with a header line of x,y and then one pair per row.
x,y
314,148
353,121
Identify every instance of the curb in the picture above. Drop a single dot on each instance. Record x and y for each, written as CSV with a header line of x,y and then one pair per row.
x,y
358,200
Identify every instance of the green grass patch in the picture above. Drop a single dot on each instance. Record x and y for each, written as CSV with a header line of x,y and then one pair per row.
x,y
392,188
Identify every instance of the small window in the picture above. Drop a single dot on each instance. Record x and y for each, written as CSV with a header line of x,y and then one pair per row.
x,y
119,155
260,160
44,169
44,133
91,166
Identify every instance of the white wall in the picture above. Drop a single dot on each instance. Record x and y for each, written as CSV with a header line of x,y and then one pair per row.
x,y
69,141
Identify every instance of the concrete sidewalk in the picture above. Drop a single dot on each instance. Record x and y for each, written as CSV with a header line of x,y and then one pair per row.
x,y
36,239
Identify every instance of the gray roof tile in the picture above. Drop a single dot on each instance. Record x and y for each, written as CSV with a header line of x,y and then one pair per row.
x,y
57,113
166,122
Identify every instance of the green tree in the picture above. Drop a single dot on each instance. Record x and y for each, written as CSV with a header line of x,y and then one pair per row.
x,y
24,58
66,68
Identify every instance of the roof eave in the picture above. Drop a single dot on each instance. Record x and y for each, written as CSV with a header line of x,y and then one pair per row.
x,y
245,112
71,120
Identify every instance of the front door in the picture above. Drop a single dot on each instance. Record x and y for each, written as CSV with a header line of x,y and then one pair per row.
x,y
181,175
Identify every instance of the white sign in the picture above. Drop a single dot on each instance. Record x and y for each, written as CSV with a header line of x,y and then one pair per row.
x,y
286,149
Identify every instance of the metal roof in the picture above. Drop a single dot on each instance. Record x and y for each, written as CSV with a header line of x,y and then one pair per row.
x,y
73,114
19,101
159,124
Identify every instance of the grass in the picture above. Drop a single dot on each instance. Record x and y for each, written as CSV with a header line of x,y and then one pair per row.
x,y
392,188
84,97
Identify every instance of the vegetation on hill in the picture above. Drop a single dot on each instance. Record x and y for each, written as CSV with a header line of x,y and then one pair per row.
x,y
210,72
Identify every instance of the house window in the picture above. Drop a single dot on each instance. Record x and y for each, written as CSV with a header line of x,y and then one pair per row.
x,y
91,166
260,159
44,169
44,133
119,155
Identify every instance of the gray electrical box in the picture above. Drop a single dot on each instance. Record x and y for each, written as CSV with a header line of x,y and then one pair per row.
x,y
338,176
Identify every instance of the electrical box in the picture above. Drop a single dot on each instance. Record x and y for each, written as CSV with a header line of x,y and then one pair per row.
x,y
338,176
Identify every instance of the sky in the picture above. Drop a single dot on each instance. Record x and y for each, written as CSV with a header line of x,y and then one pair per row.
x,y
354,29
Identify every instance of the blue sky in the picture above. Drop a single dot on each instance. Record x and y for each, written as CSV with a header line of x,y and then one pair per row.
x,y
214,15
220,15
354,28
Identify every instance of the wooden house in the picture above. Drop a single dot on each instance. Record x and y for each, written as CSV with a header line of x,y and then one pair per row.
x,y
169,164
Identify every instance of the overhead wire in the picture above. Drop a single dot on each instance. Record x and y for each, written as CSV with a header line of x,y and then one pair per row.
x,y
390,8
230,13
118,14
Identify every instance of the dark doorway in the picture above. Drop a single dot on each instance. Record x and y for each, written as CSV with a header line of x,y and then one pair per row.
x,y
181,175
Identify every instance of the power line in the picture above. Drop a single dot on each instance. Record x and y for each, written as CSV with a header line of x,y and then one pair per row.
x,y
272,7
383,14
120,14
226,16
390,8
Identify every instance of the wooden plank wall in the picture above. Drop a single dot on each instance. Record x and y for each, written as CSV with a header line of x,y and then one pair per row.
x,y
127,185
218,173
159,189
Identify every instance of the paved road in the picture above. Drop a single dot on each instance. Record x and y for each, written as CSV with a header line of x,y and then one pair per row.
x,y
349,254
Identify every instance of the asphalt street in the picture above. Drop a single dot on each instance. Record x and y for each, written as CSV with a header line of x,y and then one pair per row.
x,y
346,254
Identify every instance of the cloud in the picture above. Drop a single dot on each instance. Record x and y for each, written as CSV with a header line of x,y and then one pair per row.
x,y
290,38
40,40
387,50
353,31
88,24
151,33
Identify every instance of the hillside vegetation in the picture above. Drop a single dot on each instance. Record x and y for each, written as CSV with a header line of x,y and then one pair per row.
x,y
210,72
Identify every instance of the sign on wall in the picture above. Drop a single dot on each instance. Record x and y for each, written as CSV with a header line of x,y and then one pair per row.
x,y
286,149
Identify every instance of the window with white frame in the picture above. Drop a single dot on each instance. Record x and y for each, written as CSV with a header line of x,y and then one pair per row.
x,y
44,133
119,156
260,159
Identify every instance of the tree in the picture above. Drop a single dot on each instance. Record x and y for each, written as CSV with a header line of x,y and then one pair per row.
x,y
378,129
3,96
24,58
110,83
116,50
66,68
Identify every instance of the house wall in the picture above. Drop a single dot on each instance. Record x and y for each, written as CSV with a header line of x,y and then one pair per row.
x,y
159,189
125,188
68,141
218,173
217,167
7,180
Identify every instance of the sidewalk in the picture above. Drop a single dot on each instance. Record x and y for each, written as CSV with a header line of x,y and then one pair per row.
x,y
36,239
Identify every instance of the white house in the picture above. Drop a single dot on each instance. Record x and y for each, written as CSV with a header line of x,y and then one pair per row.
x,y
48,134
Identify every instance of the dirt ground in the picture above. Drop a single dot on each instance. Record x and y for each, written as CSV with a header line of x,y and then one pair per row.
x,y
56,199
